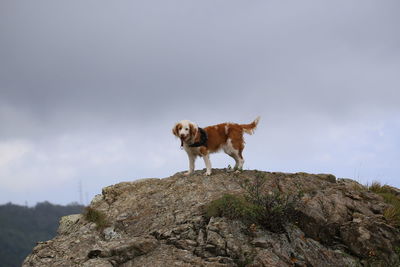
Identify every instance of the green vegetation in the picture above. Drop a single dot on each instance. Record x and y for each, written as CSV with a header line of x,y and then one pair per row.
x,y
271,210
391,214
22,227
378,188
232,207
97,217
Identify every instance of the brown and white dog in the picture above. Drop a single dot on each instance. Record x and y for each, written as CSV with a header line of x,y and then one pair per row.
x,y
201,142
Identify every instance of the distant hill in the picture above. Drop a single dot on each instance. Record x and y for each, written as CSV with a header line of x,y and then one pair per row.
x,y
22,227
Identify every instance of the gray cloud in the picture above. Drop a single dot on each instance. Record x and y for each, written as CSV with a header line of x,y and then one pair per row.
x,y
98,70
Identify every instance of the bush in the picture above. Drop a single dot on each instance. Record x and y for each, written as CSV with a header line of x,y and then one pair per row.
x,y
270,210
376,187
274,208
230,206
97,217
391,214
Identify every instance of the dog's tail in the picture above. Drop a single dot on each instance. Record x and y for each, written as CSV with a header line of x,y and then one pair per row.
x,y
249,128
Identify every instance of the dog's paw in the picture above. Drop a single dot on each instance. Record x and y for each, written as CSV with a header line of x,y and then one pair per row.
x,y
207,173
187,173
238,170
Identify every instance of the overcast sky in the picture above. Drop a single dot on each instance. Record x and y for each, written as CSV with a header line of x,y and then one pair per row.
x,y
90,90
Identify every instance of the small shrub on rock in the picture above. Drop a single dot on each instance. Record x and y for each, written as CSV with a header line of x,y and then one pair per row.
x,y
270,209
95,216
391,214
232,207
274,208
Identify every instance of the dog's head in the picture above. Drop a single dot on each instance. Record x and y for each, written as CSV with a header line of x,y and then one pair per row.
x,y
185,130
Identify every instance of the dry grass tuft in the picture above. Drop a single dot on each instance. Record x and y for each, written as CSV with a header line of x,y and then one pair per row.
x,y
391,214
97,217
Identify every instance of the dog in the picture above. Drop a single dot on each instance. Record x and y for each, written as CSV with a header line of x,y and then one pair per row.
x,y
199,142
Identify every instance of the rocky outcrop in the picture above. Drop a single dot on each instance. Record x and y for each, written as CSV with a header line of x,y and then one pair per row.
x,y
161,222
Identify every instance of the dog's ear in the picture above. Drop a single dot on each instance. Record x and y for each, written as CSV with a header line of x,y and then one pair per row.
x,y
192,129
175,129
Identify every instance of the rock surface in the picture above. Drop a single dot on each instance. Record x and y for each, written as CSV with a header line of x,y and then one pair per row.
x,y
161,222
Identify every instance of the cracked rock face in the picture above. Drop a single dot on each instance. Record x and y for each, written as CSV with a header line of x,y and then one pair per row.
x,y
161,222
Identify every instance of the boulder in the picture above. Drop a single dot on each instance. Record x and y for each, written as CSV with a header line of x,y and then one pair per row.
x,y
162,222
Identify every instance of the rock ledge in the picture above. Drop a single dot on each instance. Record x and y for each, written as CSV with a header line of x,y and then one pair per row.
x,y
161,222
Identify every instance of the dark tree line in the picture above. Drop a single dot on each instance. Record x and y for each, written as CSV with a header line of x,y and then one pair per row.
x,y
22,227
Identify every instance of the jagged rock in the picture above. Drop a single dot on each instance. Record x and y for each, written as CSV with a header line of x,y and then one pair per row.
x,y
161,222
67,223
369,237
110,234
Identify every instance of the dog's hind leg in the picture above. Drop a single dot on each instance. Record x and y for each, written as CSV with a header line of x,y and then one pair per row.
x,y
241,161
236,154
238,159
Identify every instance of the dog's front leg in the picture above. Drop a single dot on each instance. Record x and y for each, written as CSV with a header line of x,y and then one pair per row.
x,y
191,164
208,164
